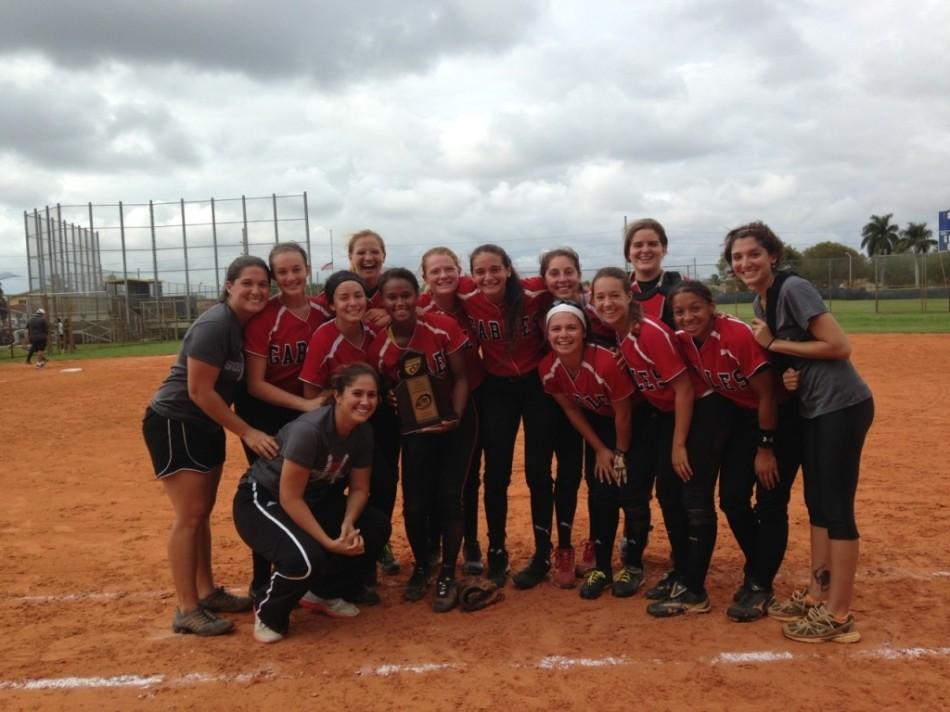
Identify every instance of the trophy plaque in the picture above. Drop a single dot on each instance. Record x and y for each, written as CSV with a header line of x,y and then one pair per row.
x,y
423,399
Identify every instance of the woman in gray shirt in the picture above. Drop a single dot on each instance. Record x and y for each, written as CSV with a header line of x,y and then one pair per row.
x,y
184,430
811,351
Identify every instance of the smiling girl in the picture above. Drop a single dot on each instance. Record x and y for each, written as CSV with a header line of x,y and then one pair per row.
x,y
441,271
184,430
761,452
292,509
594,393
644,247
688,443
435,461
809,347
504,313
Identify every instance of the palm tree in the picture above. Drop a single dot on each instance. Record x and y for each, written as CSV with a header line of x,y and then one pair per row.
x,y
917,238
881,236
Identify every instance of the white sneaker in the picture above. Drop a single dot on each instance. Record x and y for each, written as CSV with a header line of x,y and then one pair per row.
x,y
332,607
263,634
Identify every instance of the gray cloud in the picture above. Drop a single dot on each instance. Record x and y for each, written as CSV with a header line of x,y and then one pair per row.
x,y
328,41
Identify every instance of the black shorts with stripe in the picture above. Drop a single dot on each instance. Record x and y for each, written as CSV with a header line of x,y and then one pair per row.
x,y
176,445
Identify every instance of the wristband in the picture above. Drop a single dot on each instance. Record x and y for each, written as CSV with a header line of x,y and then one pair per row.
x,y
766,439
769,347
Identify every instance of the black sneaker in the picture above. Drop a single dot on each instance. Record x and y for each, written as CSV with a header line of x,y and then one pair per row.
x,y
532,574
595,581
363,596
497,566
417,584
743,590
753,606
223,601
446,594
627,582
472,564
387,561
662,587
681,600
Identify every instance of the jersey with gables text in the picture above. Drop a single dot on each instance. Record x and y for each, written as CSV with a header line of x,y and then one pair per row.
x,y
330,352
654,360
487,323
599,382
281,337
474,368
435,336
727,359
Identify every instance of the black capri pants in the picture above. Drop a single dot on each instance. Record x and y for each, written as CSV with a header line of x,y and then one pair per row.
x,y
831,461
300,563
434,470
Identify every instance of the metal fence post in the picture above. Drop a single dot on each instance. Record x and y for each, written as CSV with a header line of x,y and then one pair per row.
x,y
125,271
61,247
306,227
29,267
214,241
40,267
244,230
273,197
72,234
184,242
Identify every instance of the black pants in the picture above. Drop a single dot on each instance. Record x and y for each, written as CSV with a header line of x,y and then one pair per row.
x,y
831,462
299,562
384,477
761,531
691,510
267,418
505,402
606,499
434,468
472,481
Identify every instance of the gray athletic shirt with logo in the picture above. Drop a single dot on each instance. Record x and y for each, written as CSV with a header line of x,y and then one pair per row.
x,y
824,385
215,338
312,441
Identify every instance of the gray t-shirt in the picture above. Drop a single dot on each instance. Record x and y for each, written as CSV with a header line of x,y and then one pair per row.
x,y
824,385
311,441
216,338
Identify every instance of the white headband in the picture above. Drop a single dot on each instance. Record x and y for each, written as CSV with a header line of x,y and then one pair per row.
x,y
565,309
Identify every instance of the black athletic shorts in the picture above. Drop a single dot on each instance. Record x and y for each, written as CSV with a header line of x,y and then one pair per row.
x,y
176,445
38,344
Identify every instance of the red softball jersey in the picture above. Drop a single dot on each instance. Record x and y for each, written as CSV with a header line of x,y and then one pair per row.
x,y
329,352
474,368
728,358
435,336
487,321
282,337
653,302
598,329
654,360
599,382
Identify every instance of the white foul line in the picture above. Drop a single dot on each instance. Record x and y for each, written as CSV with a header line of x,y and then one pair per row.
x,y
550,662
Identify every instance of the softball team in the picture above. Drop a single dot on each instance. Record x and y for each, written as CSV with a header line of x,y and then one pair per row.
x,y
636,382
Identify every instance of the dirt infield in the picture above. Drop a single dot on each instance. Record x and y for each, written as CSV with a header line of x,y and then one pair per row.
x,y
85,597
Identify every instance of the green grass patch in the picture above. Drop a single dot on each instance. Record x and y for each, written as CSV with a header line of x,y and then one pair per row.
x,y
895,316
155,348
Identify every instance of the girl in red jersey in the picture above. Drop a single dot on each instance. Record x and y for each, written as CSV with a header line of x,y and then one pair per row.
x,y
594,392
504,313
689,443
644,247
441,271
724,353
275,344
436,461
561,272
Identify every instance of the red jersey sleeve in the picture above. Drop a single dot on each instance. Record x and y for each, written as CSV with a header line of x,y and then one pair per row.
x,y
657,339
455,338
547,372
618,379
315,370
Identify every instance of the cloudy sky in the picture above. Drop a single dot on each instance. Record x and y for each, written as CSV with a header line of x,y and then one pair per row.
x,y
527,123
